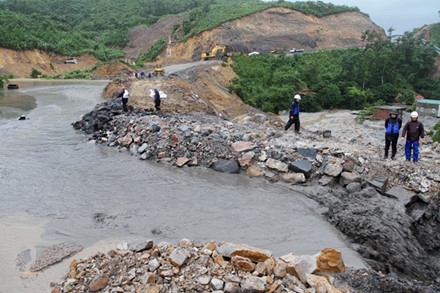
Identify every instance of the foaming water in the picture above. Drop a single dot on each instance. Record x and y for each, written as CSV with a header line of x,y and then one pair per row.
x,y
88,193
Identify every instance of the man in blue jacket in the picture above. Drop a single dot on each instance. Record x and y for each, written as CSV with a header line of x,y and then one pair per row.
x,y
392,128
294,114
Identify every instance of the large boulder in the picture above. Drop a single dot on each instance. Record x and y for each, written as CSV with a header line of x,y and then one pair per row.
x,y
301,166
307,152
226,166
254,254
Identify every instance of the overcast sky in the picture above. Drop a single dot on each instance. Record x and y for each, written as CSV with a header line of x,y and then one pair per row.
x,y
402,15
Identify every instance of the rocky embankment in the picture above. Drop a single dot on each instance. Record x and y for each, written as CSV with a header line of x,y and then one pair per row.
x,y
220,267
394,219
195,267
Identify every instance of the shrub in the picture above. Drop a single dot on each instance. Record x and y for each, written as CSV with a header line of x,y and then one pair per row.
x,y
3,79
436,136
35,73
154,51
107,54
309,103
78,74
364,114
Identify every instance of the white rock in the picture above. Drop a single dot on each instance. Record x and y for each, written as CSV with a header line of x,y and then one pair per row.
x,y
217,284
122,246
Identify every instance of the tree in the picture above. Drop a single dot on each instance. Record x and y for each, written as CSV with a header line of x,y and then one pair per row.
x,y
351,78
356,98
3,79
390,32
35,73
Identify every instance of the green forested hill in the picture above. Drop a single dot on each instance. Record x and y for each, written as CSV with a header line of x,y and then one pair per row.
x,y
72,27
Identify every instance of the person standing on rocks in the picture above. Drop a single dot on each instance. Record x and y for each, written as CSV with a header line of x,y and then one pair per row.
x,y
124,94
392,128
156,99
414,132
294,114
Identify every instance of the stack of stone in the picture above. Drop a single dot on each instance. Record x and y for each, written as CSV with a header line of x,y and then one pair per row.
x,y
193,267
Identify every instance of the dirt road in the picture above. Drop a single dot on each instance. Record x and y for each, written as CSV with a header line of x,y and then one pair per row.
x,y
183,67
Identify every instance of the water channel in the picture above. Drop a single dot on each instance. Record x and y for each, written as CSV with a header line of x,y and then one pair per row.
x,y
57,186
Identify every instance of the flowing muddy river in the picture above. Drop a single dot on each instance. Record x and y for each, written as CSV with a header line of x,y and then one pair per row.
x,y
56,186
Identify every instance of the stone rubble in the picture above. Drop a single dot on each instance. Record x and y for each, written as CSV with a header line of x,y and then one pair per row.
x,y
193,267
346,176
209,141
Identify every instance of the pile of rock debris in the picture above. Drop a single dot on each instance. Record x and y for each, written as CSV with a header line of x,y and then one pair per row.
x,y
221,268
391,213
194,267
251,145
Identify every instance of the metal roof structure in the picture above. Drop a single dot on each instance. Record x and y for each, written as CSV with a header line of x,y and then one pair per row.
x,y
387,107
428,101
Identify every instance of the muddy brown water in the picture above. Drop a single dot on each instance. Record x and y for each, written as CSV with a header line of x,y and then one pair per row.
x,y
57,186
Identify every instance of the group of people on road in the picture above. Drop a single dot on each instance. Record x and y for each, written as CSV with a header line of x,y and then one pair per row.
x,y
142,75
413,130
124,94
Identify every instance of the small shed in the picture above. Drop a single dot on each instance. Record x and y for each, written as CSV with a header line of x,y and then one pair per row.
x,y
427,107
383,112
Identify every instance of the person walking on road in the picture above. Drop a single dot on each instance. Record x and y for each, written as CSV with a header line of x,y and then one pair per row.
x,y
415,133
156,99
392,128
294,114
124,94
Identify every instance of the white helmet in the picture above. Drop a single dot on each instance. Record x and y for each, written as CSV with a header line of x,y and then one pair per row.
x,y
414,114
297,97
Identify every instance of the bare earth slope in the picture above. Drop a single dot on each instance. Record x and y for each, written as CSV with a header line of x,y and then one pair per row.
x,y
194,87
278,28
20,63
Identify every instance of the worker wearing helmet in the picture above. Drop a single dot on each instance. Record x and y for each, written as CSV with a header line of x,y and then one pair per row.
x,y
414,132
124,94
392,128
294,114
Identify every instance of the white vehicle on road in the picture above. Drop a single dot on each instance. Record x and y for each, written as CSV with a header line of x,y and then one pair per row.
x,y
293,50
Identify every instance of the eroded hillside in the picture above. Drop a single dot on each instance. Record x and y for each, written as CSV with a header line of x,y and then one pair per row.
x,y
21,63
275,28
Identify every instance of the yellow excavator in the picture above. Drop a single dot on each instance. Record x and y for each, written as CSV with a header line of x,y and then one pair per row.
x,y
217,52
158,70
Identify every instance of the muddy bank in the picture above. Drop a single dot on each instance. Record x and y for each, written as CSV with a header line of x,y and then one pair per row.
x,y
396,232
